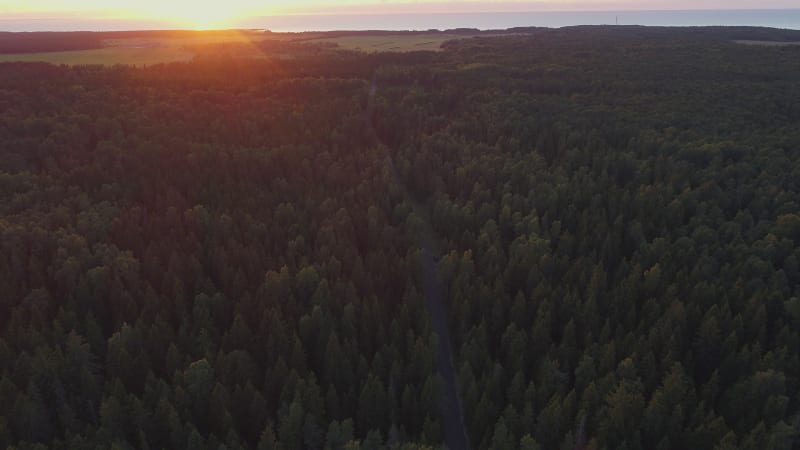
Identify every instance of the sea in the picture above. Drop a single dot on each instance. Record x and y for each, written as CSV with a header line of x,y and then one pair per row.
x,y
775,18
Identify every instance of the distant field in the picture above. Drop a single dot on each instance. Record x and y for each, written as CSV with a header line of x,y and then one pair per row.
x,y
146,50
134,51
393,43
106,56
768,43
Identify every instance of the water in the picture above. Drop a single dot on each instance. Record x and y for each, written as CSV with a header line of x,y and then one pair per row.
x,y
775,18
766,18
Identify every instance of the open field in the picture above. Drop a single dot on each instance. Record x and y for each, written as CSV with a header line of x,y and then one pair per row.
x,y
153,49
199,39
136,50
393,43
106,56
768,43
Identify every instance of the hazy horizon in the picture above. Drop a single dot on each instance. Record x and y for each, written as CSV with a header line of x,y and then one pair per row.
x,y
775,18
37,15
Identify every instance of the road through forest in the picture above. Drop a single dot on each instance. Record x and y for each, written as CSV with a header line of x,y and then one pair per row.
x,y
454,432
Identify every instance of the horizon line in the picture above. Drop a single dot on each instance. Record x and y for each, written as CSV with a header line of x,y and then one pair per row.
x,y
346,12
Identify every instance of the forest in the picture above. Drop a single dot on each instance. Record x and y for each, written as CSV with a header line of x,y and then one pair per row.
x,y
248,253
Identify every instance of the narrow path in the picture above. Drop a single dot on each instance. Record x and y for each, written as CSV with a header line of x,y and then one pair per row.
x,y
454,432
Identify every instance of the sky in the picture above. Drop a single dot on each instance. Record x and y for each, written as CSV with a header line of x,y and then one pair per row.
x,y
215,13
126,8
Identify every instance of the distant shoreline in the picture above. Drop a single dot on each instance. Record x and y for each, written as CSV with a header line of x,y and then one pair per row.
x,y
773,18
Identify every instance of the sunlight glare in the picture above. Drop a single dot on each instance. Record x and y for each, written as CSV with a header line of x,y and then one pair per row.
x,y
199,15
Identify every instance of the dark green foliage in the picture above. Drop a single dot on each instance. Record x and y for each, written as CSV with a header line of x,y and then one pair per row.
x,y
217,254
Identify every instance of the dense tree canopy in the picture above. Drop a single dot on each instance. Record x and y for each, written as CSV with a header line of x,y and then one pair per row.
x,y
219,254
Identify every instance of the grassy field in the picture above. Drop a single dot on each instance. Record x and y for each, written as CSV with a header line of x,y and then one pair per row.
x,y
134,51
153,50
392,43
106,56
767,43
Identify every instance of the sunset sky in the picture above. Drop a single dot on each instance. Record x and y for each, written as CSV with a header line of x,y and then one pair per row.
x,y
217,13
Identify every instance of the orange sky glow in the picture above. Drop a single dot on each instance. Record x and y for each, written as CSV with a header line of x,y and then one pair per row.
x,y
220,13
